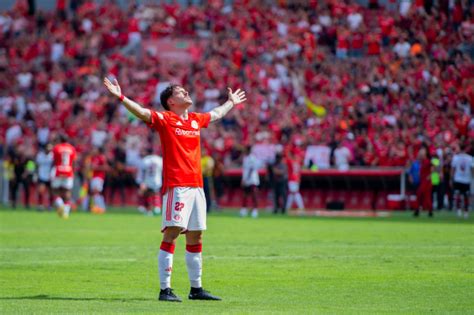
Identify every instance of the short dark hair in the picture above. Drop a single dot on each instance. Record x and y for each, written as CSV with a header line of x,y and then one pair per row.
x,y
62,138
166,94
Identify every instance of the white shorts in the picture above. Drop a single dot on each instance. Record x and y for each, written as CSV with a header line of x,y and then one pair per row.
x,y
97,184
62,182
184,207
293,187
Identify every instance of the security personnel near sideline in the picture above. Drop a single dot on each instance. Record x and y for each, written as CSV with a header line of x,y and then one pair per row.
x,y
280,184
436,178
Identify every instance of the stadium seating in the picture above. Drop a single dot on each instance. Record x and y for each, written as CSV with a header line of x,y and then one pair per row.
x,y
286,59
382,81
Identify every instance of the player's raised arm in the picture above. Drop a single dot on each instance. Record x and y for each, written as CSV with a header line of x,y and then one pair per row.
x,y
135,108
234,98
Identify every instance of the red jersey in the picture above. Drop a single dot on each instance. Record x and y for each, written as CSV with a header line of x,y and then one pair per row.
x,y
294,170
98,162
425,171
181,144
64,155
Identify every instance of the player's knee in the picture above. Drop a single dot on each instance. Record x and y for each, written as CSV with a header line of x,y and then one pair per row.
x,y
171,234
193,237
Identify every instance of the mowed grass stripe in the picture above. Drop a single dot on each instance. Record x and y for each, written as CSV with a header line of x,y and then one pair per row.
x,y
107,264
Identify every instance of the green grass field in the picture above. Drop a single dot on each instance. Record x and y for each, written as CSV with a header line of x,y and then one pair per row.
x,y
107,264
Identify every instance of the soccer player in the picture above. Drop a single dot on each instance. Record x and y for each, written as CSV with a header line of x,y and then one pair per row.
x,y
64,155
423,193
20,174
294,179
184,203
461,174
250,182
99,166
138,180
150,181
279,171
44,160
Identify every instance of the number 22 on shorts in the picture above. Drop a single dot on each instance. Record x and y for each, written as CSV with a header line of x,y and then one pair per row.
x,y
179,206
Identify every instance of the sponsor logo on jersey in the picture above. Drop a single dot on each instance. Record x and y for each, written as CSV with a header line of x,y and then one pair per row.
x,y
181,132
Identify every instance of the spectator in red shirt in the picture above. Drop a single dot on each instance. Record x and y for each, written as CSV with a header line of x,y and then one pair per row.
x,y
56,64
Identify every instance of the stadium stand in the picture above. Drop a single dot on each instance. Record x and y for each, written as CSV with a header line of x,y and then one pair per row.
x,y
381,80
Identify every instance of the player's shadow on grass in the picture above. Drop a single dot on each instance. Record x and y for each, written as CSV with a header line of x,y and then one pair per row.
x,y
59,298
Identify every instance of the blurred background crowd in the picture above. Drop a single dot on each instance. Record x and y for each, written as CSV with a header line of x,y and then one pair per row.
x,y
377,79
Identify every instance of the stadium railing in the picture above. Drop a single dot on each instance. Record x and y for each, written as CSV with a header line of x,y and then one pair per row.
x,y
354,189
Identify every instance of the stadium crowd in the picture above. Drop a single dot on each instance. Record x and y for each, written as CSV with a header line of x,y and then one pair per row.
x,y
378,81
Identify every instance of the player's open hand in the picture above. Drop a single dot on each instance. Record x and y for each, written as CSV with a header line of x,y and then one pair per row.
x,y
113,88
236,97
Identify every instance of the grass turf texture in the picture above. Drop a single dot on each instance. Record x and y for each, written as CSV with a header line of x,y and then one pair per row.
x,y
107,264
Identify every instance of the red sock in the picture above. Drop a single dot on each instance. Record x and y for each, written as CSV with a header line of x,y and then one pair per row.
x,y
194,248
167,247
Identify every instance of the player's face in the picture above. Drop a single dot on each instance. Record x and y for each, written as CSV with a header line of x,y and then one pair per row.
x,y
181,97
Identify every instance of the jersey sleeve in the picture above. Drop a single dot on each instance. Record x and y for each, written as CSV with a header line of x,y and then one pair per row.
x,y
203,119
157,120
